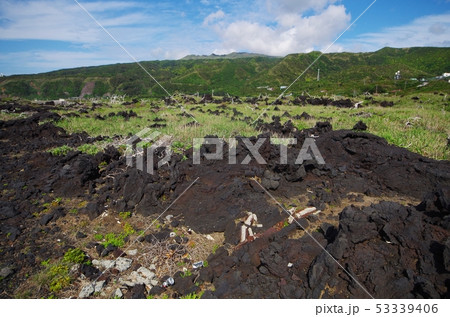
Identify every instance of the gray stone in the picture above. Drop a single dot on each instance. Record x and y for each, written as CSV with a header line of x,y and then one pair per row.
x,y
86,291
99,286
270,180
123,264
141,276
118,293
154,282
74,269
6,271
103,264
152,267
132,252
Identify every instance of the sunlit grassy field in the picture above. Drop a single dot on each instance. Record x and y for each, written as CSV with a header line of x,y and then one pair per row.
x,y
422,125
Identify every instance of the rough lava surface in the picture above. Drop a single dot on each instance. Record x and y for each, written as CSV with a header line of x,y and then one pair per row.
x,y
388,249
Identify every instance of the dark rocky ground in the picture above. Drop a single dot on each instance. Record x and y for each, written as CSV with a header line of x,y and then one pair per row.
x,y
385,219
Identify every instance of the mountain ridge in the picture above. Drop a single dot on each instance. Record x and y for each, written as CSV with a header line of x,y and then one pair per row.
x,y
340,73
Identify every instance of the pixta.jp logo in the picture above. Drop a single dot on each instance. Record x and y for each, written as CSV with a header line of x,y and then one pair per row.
x,y
146,145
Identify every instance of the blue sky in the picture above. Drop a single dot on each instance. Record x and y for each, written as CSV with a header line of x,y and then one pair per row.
x,y
44,35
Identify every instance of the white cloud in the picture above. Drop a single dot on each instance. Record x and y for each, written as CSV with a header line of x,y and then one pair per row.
x,y
433,30
298,6
213,17
290,33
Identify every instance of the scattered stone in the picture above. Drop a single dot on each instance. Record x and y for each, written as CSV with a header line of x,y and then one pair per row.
x,y
86,291
132,252
99,248
74,269
123,264
45,219
141,276
118,293
136,292
156,290
270,180
6,271
361,126
80,235
110,248
99,286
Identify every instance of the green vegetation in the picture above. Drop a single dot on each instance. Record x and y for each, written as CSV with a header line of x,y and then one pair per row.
x,y
128,229
117,240
215,247
341,73
193,295
124,214
113,239
60,151
90,149
418,125
74,256
55,276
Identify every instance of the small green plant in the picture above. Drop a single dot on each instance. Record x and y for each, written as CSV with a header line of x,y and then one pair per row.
x,y
125,214
205,263
193,296
98,236
74,256
59,277
150,297
57,200
45,263
114,240
165,296
186,274
102,165
128,229
73,211
215,247
60,151
90,149
285,223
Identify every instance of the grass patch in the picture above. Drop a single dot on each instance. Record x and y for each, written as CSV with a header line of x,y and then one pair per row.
x,y
60,151
421,125
193,295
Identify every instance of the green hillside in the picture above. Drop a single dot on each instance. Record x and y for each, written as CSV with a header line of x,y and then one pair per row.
x,y
242,74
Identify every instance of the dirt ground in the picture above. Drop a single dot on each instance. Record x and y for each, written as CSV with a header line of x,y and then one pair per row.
x,y
382,230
